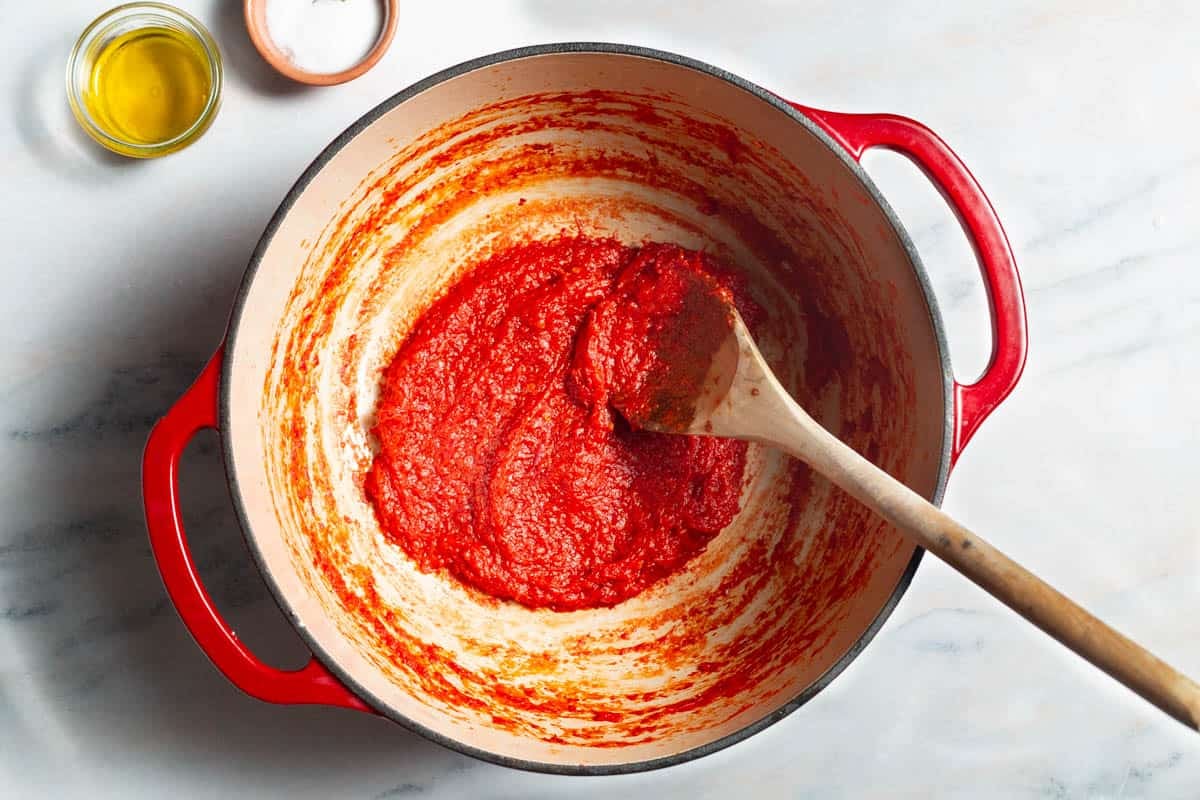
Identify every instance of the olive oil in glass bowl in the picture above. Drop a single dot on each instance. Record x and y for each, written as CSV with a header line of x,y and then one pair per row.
x,y
144,80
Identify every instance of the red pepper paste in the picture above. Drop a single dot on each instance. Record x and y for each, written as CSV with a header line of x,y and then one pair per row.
x,y
648,348
499,458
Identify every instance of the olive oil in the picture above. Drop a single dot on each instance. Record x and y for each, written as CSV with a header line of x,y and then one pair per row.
x,y
149,85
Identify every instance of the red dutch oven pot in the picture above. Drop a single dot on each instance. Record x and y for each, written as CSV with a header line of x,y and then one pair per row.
x,y
613,141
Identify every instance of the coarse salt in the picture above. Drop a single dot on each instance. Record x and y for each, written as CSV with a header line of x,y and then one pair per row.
x,y
325,36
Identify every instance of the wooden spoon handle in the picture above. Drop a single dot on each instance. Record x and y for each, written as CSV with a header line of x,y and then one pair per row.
x,y
1000,576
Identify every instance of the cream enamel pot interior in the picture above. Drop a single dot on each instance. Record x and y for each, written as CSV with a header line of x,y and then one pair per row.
x,y
610,141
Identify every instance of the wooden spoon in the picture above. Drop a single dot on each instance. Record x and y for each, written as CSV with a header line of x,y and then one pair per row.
x,y
740,398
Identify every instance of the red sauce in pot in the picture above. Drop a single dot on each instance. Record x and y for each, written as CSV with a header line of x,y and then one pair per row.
x,y
499,459
789,591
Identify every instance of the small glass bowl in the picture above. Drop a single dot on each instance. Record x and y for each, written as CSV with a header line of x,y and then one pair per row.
x,y
122,20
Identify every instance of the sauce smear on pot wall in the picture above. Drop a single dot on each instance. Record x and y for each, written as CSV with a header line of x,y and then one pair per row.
x,y
499,457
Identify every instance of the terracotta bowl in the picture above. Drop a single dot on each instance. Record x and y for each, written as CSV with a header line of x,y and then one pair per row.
x,y
256,26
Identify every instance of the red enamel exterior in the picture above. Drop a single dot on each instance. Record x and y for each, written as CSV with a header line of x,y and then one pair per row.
x,y
194,412
859,133
197,410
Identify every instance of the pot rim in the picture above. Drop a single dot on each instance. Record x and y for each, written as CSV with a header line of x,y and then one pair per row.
x,y
298,188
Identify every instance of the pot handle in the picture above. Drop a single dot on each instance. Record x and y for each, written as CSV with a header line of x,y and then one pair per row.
x,y
860,132
196,410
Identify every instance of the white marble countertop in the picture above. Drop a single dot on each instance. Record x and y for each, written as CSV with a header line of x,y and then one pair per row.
x,y
1082,121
